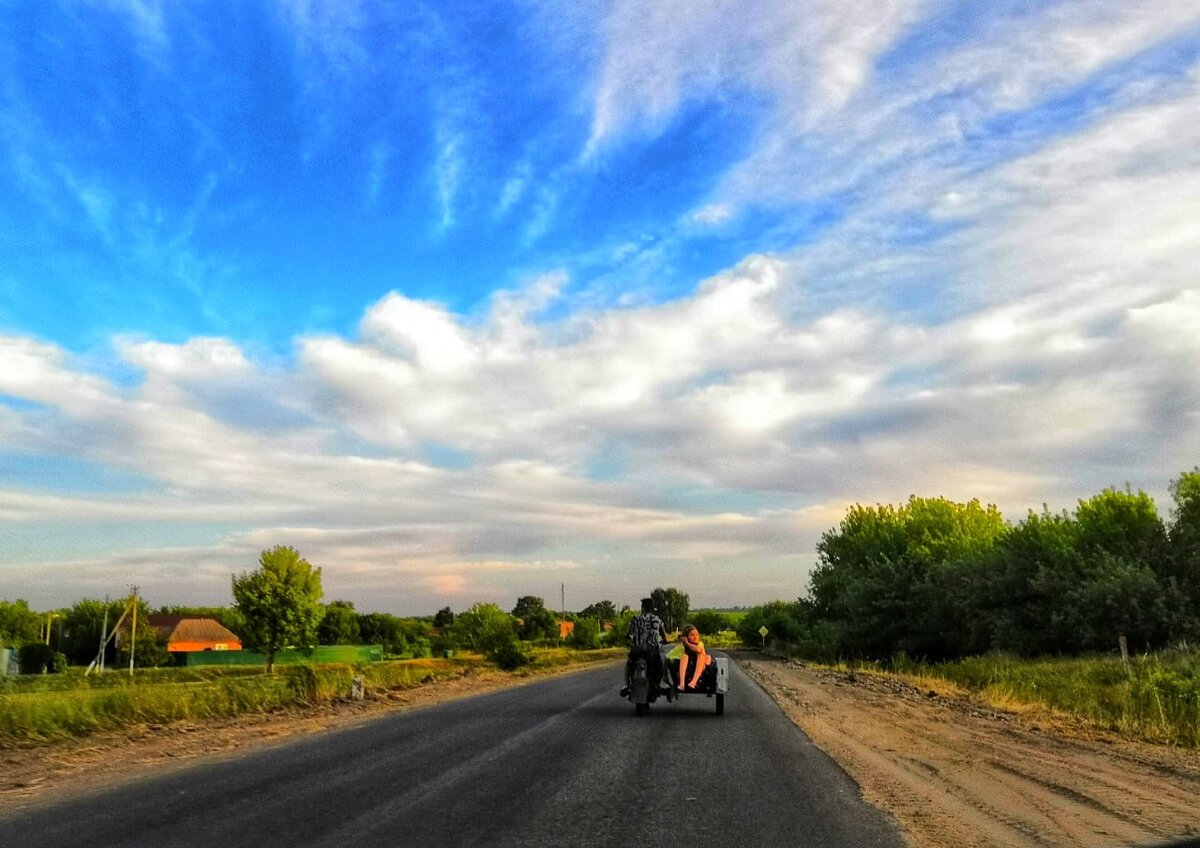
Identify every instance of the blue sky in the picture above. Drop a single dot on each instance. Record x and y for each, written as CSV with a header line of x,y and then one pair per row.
x,y
467,301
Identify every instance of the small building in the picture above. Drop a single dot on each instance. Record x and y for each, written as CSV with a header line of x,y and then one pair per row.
x,y
186,634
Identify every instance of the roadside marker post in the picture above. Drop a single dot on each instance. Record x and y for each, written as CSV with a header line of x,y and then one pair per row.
x,y
763,631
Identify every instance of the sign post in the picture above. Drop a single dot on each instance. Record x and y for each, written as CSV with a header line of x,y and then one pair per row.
x,y
763,631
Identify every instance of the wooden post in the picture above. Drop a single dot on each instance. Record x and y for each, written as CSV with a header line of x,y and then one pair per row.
x,y
103,636
1124,652
133,631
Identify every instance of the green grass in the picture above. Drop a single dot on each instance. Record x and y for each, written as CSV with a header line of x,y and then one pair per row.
x,y
1157,698
46,707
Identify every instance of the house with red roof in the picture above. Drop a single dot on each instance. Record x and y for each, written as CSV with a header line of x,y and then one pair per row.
x,y
185,634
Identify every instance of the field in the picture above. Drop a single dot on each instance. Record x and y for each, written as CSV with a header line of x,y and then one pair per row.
x,y
43,708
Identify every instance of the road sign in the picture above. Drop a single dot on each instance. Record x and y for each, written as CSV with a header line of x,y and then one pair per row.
x,y
763,631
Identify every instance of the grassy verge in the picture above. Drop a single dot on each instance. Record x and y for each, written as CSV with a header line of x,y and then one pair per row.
x,y
52,707
1156,698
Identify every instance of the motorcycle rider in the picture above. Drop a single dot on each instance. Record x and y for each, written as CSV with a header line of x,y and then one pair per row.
x,y
646,633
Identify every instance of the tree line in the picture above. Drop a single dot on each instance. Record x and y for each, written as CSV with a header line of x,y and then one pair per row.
x,y
280,604
937,579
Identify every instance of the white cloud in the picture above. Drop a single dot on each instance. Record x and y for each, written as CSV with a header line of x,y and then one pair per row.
x,y
713,436
447,172
811,57
712,214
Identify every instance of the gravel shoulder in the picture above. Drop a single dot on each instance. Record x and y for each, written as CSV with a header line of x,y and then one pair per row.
x,y
955,772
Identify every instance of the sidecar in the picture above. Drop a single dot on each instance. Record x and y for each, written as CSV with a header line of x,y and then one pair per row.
x,y
642,689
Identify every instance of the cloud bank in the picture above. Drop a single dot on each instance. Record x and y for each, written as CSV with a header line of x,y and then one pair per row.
x,y
1001,304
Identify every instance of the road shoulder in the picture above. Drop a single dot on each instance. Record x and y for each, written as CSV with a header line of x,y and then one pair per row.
x,y
953,772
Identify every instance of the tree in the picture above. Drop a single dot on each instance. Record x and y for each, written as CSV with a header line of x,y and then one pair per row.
x,y
491,631
586,634
709,622
534,621
671,606
1184,538
879,571
339,626
601,611
149,649
444,617
380,628
19,624
783,620
38,658
281,601
1123,524
618,634
82,628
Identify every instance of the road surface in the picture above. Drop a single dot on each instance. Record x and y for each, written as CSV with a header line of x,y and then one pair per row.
x,y
557,762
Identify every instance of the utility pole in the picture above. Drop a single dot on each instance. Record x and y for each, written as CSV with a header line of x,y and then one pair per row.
x,y
133,628
103,635
562,623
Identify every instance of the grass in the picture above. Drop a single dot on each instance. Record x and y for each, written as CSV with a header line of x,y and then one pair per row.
x,y
47,707
1156,698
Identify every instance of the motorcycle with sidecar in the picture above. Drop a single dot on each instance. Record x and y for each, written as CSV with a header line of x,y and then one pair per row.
x,y
646,680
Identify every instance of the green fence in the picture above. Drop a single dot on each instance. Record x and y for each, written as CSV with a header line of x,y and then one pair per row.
x,y
321,654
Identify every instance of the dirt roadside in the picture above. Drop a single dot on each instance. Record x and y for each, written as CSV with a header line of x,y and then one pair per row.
x,y
47,772
954,772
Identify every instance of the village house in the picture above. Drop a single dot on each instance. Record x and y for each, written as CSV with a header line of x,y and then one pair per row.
x,y
184,634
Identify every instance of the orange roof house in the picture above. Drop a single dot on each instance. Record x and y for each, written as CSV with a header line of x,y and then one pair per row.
x,y
185,634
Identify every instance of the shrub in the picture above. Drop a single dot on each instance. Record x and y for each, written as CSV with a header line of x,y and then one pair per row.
x,y
36,658
586,635
508,654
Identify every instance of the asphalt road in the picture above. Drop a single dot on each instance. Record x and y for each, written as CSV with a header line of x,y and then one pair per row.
x,y
558,762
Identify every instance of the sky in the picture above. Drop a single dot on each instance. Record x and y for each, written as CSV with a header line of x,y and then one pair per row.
x,y
470,301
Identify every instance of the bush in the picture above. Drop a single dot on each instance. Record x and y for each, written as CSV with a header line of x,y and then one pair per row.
x,y
586,635
508,654
36,658
618,634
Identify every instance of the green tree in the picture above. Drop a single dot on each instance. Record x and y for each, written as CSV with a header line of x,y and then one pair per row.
x,y
586,634
618,634
444,617
491,631
534,621
339,625
709,621
601,611
1183,579
785,621
882,567
280,602
84,623
380,628
149,649
672,607
39,658
19,624
1123,524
